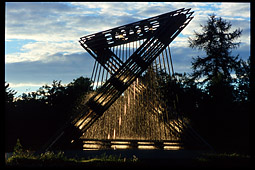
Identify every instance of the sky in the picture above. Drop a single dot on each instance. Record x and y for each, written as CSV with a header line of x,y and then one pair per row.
x,y
41,39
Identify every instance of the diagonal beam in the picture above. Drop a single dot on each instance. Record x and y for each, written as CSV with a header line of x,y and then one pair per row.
x,y
98,45
123,74
133,68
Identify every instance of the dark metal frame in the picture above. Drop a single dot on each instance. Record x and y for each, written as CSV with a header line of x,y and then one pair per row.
x,y
156,32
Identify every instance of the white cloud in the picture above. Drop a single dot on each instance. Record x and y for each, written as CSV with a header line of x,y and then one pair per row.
x,y
15,85
42,21
112,8
44,51
57,27
180,42
234,9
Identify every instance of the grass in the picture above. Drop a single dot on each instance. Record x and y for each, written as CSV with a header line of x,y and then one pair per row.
x,y
47,158
51,159
224,160
23,158
109,158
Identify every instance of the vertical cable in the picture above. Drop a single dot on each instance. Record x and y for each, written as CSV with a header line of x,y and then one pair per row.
x,y
93,70
171,61
167,63
128,50
123,45
94,82
133,46
120,52
159,64
164,61
126,53
102,79
98,76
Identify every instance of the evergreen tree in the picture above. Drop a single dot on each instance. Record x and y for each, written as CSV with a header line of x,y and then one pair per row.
x,y
224,113
242,81
215,68
9,94
217,42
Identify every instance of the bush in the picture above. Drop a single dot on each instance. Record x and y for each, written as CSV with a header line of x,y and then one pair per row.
x,y
25,158
22,158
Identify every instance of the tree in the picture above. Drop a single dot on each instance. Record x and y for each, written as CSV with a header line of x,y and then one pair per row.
x,y
217,42
36,116
242,80
18,149
220,116
9,94
217,65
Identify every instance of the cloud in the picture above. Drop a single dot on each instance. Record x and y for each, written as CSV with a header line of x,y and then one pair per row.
x,y
234,9
182,58
111,8
16,85
43,51
59,22
244,25
41,21
48,34
73,66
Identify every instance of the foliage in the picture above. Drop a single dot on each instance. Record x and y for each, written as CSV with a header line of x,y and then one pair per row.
x,y
108,158
20,155
223,157
224,97
47,158
9,93
217,105
218,64
242,80
18,150
22,158
217,42
35,117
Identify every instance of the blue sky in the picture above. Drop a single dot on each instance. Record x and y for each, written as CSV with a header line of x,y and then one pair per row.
x,y
41,39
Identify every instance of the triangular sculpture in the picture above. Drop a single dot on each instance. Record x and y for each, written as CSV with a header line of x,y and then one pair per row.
x,y
123,55
139,118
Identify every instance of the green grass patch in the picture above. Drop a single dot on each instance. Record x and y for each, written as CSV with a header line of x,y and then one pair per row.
x,y
22,158
223,160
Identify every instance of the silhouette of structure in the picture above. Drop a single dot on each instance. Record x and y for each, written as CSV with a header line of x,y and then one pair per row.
x,y
129,62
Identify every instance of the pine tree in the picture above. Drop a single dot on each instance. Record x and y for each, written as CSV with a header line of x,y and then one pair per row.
x,y
217,42
18,149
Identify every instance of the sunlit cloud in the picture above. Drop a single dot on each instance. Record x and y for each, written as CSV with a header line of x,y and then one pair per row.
x,y
234,9
50,31
44,51
14,85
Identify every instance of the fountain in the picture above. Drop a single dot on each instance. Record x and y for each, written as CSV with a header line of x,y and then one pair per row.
x,y
130,107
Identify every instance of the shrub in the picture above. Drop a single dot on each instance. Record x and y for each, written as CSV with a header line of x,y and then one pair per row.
x,y
26,158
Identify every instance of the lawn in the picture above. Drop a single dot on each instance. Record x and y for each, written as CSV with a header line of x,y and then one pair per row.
x,y
203,159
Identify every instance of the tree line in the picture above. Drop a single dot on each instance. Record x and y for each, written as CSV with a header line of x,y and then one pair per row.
x,y
36,116
215,96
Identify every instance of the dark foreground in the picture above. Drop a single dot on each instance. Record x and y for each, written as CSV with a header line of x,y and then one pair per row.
x,y
140,159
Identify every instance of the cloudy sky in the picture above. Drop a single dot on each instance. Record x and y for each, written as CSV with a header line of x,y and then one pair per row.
x,y
41,39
